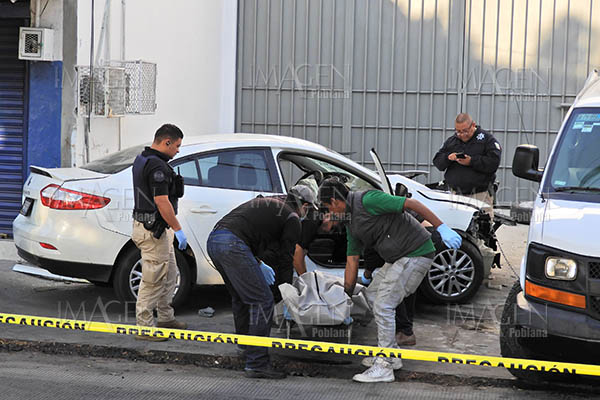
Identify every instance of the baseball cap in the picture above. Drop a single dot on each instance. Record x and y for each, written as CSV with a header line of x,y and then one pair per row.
x,y
305,195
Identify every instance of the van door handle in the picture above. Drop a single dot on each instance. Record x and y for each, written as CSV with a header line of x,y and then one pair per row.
x,y
203,210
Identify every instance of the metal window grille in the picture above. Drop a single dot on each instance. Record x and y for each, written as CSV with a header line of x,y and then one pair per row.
x,y
106,96
140,83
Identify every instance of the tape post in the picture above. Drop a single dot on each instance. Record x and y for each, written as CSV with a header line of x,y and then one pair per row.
x,y
303,345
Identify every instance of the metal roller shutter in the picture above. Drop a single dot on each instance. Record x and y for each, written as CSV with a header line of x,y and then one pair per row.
x,y
12,123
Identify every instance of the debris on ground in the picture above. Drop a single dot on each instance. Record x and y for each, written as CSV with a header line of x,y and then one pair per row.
x,y
206,312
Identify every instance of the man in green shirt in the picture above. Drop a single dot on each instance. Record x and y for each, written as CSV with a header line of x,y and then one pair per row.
x,y
377,220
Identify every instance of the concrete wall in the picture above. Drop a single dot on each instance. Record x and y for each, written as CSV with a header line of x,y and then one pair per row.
x,y
45,92
194,46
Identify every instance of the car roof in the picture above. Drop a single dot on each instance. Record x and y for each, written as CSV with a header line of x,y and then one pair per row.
x,y
252,139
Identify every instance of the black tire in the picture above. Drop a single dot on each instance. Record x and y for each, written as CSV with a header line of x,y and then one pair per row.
x,y
515,345
452,291
123,289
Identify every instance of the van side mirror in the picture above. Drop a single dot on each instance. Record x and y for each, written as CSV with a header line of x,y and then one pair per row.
x,y
525,163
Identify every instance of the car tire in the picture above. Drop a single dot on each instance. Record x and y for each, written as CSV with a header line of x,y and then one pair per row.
x,y
125,282
452,281
516,346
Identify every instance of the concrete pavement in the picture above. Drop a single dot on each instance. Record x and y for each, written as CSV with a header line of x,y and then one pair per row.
x,y
471,328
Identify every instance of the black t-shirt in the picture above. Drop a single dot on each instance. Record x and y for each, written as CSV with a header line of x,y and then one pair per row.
x,y
266,225
157,172
310,226
157,179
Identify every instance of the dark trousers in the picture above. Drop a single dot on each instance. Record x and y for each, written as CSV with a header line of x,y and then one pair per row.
x,y
405,313
251,298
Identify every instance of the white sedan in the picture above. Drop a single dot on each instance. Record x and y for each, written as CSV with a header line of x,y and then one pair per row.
x,y
77,222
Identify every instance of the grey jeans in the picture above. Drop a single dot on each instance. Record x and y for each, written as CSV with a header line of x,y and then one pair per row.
x,y
390,286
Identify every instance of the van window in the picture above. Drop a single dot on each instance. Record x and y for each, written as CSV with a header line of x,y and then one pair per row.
x,y
575,166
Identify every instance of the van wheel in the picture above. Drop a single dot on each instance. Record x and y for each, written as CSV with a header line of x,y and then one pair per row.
x,y
128,277
513,338
455,275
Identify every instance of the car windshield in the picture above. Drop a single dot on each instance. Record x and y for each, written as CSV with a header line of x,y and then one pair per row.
x,y
577,159
115,162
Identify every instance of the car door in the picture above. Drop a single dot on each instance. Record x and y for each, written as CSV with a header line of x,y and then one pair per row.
x,y
215,183
386,186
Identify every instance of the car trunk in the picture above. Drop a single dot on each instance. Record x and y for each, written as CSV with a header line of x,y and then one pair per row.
x,y
40,178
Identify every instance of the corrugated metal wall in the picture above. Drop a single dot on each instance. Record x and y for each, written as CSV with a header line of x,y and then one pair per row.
x,y
356,74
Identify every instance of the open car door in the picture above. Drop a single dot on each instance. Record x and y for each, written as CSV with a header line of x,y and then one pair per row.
x,y
386,186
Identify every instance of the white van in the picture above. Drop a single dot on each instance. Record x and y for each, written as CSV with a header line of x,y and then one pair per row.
x,y
555,307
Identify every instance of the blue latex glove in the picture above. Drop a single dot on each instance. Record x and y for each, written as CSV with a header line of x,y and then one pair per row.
x,y
181,238
268,273
348,321
365,281
451,239
286,313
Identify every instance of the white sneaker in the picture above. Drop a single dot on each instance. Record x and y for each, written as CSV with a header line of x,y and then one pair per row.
x,y
381,371
369,361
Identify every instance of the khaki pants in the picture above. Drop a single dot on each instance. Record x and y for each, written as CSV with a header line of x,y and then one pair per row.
x,y
482,196
159,275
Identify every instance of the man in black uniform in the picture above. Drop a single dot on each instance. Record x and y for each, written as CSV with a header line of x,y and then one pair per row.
x,y
470,160
236,241
156,191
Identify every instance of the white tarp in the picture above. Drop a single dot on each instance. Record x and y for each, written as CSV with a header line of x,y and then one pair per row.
x,y
318,298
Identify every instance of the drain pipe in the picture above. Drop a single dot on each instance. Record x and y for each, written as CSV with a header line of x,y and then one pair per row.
x,y
37,13
122,59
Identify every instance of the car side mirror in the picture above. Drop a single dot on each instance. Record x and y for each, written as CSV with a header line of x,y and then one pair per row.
x,y
402,190
525,163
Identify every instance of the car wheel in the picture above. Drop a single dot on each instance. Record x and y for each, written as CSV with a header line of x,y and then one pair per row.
x,y
128,277
455,275
514,339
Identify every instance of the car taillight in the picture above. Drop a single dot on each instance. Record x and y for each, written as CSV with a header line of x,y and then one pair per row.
x,y
54,196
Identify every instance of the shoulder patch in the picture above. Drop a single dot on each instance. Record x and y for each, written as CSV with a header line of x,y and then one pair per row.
x,y
158,176
481,136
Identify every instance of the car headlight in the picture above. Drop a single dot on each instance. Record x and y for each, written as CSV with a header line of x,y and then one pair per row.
x,y
561,268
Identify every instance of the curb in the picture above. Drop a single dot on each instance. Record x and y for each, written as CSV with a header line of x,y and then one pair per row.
x,y
291,366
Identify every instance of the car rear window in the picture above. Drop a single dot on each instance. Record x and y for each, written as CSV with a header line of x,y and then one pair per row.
x,y
115,162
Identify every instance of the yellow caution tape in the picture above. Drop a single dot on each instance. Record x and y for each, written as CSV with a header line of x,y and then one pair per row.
x,y
306,345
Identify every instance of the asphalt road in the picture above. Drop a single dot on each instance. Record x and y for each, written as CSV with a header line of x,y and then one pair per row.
x,y
39,376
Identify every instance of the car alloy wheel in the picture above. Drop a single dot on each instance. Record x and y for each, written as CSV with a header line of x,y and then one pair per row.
x,y
452,272
455,275
135,278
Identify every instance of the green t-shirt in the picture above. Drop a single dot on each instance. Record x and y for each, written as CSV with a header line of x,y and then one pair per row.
x,y
377,202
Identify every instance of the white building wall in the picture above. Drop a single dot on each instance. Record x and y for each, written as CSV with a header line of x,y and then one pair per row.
x,y
193,43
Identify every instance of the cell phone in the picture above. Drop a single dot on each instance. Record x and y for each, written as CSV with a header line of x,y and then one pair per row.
x,y
461,155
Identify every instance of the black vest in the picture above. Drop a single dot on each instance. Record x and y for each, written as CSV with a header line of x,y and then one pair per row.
x,y
143,196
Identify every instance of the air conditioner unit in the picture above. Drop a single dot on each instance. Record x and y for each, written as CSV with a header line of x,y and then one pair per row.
x,y
36,44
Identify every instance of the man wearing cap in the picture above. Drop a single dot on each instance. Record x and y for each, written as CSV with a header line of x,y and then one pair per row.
x,y
377,220
236,244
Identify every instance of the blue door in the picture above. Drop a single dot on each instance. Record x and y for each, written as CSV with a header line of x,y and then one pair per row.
x,y
12,123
